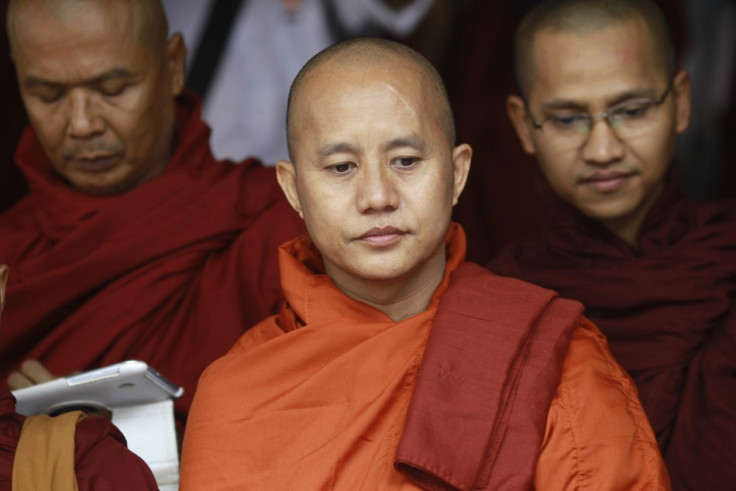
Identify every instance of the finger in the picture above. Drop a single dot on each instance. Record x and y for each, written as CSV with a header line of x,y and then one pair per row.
x,y
36,372
17,380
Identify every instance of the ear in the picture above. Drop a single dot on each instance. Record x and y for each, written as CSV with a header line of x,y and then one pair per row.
x,y
3,282
286,174
516,109
176,56
681,94
461,157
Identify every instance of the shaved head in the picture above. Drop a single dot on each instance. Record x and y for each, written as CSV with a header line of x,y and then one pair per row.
x,y
364,53
99,79
146,16
585,17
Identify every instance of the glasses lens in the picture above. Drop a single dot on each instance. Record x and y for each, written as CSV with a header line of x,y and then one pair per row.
x,y
628,120
633,117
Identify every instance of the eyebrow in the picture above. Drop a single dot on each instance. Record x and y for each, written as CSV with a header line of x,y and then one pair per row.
x,y
33,81
561,104
343,147
405,142
340,147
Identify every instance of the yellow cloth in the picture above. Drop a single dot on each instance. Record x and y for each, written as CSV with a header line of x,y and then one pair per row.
x,y
44,457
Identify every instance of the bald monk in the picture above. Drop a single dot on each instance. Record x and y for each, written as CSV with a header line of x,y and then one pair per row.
x,y
601,106
134,243
64,451
394,364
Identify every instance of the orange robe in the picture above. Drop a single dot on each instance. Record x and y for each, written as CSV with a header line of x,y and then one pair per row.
x,y
317,398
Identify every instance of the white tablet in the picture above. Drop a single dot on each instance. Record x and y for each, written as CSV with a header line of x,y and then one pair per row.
x,y
124,384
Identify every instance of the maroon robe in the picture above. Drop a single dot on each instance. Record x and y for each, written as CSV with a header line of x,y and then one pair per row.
x,y
668,310
171,272
101,459
482,421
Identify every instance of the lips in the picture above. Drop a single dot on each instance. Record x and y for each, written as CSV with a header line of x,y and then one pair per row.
x,y
382,236
95,162
607,182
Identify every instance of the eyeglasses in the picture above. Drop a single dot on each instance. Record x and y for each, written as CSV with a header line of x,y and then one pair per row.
x,y
628,119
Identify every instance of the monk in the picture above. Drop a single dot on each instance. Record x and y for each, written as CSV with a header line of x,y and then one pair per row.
x,y
99,458
600,107
394,364
134,243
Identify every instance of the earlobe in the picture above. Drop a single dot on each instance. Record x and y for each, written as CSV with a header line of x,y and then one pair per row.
x,y
516,109
461,158
286,175
681,92
176,55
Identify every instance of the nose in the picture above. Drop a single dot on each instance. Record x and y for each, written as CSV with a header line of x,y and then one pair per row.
x,y
376,189
603,146
83,118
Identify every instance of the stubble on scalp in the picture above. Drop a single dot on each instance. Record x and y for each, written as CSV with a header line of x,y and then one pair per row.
x,y
147,17
365,52
583,17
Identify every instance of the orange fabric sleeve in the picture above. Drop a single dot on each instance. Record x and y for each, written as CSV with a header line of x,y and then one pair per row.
x,y
597,434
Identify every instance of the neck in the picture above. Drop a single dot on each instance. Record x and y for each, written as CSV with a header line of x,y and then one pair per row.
x,y
628,232
398,298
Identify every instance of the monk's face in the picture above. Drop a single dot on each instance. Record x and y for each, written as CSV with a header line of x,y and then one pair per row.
x,y
100,100
609,174
374,176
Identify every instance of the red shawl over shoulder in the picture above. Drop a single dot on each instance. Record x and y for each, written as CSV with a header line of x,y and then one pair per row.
x,y
170,273
669,312
490,370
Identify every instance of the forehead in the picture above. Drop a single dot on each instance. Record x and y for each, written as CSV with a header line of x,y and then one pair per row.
x,y
356,99
78,39
598,64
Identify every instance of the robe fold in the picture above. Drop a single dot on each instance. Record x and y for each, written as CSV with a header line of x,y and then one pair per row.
x,y
482,390
171,272
101,459
668,310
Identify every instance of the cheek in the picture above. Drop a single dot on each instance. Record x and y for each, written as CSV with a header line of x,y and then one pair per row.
x,y
654,154
145,132
323,213
48,127
559,175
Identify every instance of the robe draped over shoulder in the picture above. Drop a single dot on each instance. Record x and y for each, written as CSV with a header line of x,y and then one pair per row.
x,y
668,310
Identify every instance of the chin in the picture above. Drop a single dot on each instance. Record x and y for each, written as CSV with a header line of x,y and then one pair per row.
x,y
382,273
610,209
100,189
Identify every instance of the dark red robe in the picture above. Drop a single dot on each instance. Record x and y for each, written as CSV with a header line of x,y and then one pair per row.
x,y
171,273
101,459
490,411
668,310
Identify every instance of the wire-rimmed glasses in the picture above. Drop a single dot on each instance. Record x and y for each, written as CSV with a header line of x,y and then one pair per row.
x,y
627,119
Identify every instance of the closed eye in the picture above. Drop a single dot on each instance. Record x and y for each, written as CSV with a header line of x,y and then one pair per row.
x,y
49,96
569,120
112,89
632,110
